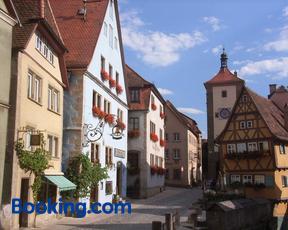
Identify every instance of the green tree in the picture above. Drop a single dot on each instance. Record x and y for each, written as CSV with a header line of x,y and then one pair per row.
x,y
85,175
34,163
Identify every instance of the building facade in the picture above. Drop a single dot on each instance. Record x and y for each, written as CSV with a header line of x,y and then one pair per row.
x,y
7,21
183,155
39,77
254,148
222,92
146,143
96,92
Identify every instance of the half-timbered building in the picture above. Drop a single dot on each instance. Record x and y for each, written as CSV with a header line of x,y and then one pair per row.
x,y
254,148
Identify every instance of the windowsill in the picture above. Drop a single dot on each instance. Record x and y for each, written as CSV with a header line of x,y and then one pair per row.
x,y
36,102
55,158
54,111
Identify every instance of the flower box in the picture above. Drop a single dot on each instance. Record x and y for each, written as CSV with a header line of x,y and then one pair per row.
x,y
104,75
119,89
153,106
112,82
133,133
98,112
162,143
121,125
154,137
153,170
160,171
109,118
162,115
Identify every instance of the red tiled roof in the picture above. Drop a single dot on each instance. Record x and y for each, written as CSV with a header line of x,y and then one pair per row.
x,y
30,13
271,114
134,80
280,97
80,36
224,76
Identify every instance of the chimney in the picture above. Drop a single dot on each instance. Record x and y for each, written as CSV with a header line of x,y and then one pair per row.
x,y
286,116
272,88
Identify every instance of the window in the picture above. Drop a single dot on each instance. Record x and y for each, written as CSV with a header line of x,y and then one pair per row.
x,y
241,147
176,154
161,109
284,181
167,174
110,70
249,124
134,123
27,139
247,179
167,154
34,87
152,127
242,124
105,29
111,9
120,114
191,155
108,188
156,160
235,178
259,179
107,106
53,99
152,99
282,149
166,137
176,174
152,160
96,101
244,98
263,146
108,156
115,43
161,134
176,136
117,78
135,95
160,162
42,46
224,93
102,63
252,146
231,148
94,153
53,145
110,36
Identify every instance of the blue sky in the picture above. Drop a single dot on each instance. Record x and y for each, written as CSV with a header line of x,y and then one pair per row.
x,y
177,44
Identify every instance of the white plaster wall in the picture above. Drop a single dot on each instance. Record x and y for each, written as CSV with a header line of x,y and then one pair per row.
x,y
154,147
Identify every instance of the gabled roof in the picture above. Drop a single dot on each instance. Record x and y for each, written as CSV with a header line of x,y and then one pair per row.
x,y
185,120
270,113
31,13
80,36
224,76
280,97
134,80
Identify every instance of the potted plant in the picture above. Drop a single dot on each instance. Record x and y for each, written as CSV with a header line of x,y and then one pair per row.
x,y
121,124
104,75
109,118
119,89
98,112
162,143
153,106
153,170
112,82
133,133
162,115
154,137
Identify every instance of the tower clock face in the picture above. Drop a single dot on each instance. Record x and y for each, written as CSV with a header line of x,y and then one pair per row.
x,y
224,113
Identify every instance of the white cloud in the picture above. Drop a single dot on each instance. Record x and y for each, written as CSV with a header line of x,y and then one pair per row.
x,y
241,62
285,11
280,44
155,47
216,49
213,22
165,91
190,110
277,68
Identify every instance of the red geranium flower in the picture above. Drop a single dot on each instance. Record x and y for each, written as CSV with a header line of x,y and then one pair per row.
x,y
119,89
154,137
153,106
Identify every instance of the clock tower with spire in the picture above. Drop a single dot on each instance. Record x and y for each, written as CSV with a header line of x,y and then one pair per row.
x,y
221,94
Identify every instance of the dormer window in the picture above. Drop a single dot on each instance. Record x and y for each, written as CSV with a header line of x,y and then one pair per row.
x,y
224,93
42,46
135,95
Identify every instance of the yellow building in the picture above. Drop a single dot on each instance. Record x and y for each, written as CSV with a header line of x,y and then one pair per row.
x,y
39,77
254,148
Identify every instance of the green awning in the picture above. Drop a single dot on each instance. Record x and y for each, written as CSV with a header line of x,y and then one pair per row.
x,y
61,182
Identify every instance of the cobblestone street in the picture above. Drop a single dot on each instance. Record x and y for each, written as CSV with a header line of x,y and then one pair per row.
x,y
143,212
